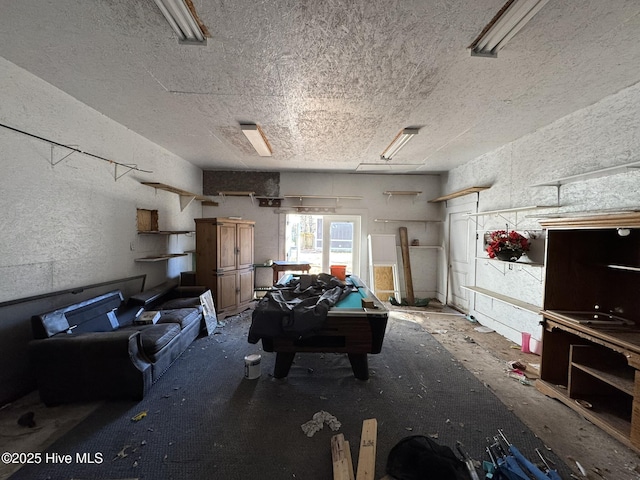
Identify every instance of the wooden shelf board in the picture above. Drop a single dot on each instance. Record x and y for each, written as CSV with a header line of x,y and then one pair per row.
x,y
178,191
236,194
160,258
505,299
165,232
402,192
459,193
620,378
620,220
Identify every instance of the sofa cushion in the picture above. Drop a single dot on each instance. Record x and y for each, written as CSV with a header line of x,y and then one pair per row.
x,y
155,337
182,316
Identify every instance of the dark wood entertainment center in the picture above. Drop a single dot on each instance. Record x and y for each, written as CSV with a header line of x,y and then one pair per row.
x,y
591,317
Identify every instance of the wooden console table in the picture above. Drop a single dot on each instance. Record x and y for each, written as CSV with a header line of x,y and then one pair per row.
x,y
282,266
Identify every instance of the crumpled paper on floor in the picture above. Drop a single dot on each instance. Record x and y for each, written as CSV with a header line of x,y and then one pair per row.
x,y
317,422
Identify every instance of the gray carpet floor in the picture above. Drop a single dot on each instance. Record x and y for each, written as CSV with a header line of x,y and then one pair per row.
x,y
204,420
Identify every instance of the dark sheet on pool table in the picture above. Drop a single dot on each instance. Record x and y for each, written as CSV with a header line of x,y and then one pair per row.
x,y
298,308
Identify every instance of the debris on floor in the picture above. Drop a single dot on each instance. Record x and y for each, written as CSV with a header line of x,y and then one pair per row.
x,y
27,420
317,423
483,329
139,416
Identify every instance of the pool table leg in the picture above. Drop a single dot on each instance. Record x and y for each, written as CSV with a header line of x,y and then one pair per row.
x,y
283,364
359,365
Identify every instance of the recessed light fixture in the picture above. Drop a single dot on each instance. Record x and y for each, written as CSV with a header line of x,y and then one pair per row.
x,y
508,21
256,136
400,141
182,17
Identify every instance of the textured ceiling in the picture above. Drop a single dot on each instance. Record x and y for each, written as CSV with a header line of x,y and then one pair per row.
x,y
331,82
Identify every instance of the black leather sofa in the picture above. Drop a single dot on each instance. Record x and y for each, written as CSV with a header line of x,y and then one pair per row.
x,y
95,350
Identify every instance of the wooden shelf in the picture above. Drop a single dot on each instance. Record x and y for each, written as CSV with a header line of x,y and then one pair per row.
x,y
619,220
160,258
620,378
185,197
459,193
165,232
505,299
402,192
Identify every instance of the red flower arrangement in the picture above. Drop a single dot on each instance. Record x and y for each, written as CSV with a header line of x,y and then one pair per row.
x,y
512,241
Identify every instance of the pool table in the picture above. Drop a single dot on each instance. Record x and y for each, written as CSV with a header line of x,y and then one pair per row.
x,y
350,328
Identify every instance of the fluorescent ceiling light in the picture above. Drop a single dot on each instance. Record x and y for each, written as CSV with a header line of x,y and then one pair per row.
x,y
387,167
182,20
257,138
510,19
400,141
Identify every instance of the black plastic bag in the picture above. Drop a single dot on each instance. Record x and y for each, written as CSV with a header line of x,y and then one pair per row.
x,y
420,458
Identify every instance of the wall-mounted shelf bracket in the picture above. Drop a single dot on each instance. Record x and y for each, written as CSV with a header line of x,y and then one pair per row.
x,y
56,162
128,168
502,214
75,150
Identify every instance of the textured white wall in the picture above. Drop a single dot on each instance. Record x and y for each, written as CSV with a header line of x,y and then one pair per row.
x,y
269,230
600,136
72,224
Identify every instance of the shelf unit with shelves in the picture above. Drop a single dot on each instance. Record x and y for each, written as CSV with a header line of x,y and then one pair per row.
x,y
147,223
591,367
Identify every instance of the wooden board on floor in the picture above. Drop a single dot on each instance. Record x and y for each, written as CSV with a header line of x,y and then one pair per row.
x,y
341,456
367,454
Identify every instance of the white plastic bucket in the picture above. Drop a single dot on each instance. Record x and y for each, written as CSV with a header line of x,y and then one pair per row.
x,y
252,366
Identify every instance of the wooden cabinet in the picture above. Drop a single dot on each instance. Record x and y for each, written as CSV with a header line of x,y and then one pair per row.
x,y
224,262
591,317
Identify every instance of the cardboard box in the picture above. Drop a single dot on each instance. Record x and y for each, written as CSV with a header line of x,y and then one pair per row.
x,y
147,318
